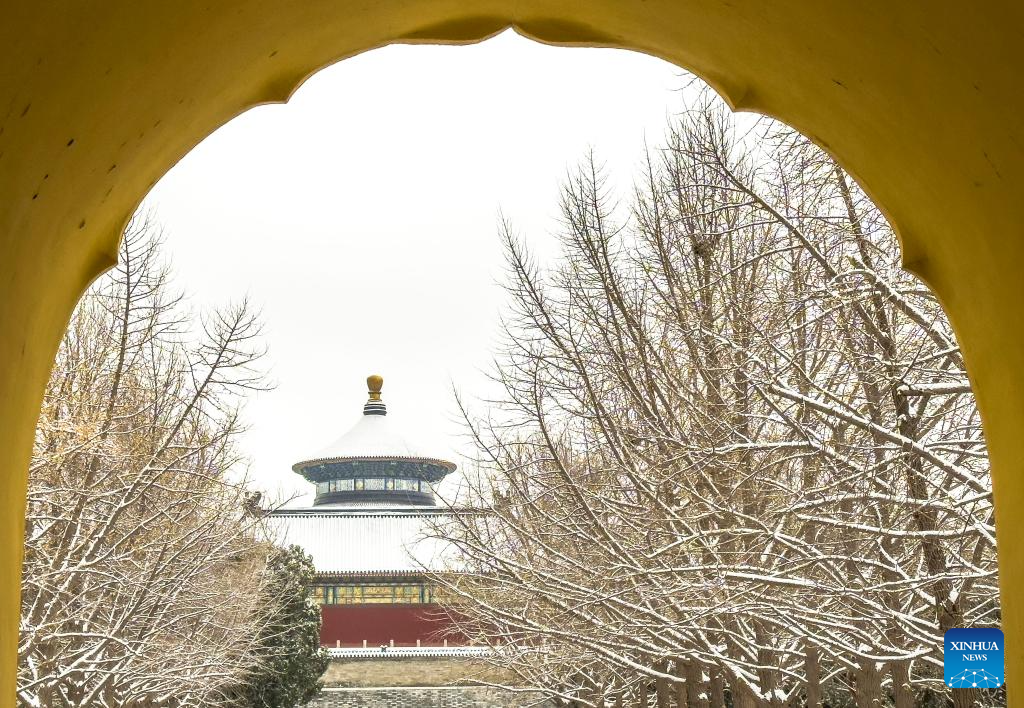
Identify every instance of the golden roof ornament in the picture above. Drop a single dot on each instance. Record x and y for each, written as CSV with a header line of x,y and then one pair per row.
x,y
375,406
374,382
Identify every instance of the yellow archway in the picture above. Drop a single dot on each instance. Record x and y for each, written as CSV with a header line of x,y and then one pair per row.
x,y
920,100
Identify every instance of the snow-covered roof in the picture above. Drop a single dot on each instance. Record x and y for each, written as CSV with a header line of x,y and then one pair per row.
x,y
374,437
354,541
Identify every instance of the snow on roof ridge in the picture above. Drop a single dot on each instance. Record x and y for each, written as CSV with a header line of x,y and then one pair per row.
x,y
373,437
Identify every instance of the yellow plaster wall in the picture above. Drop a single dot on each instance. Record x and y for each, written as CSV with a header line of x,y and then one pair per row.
x,y
920,99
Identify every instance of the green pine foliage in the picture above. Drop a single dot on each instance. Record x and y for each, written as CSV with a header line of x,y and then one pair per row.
x,y
290,640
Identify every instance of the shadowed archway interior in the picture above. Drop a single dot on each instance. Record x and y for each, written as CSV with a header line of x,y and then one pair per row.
x,y
920,101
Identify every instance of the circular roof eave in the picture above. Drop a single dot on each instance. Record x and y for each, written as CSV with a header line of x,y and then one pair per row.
x,y
299,466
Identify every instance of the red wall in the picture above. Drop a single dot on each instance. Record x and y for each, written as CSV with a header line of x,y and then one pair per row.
x,y
379,624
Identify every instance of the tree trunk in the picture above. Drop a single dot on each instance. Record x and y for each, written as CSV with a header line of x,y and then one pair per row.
x,y
903,697
680,671
717,689
661,689
868,693
965,697
812,669
681,695
696,690
767,676
743,697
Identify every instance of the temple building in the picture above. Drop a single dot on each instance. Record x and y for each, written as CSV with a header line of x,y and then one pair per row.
x,y
368,532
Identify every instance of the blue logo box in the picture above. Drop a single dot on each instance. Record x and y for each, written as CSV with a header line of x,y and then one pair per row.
x,y
973,658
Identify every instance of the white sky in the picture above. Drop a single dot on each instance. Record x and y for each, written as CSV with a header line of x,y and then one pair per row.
x,y
362,217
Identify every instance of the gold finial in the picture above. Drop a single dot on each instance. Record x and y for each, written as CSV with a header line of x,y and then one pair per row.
x,y
375,383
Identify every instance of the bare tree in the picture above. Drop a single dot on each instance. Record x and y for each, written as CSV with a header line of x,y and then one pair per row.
x,y
143,565
738,457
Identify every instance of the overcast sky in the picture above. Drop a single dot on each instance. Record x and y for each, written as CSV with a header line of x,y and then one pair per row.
x,y
362,218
